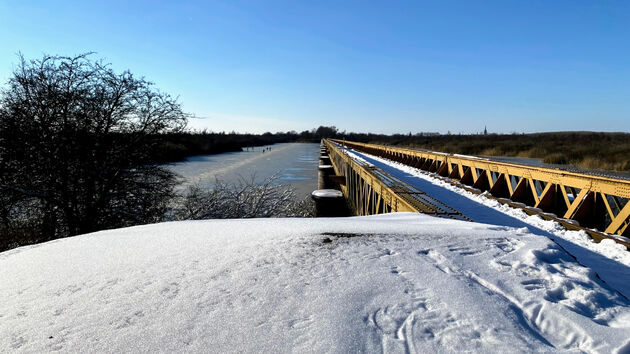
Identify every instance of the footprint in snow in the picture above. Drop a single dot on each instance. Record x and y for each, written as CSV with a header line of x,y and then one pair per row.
x,y
301,323
533,284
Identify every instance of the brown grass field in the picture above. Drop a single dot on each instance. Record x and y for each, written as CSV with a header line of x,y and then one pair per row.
x,y
592,150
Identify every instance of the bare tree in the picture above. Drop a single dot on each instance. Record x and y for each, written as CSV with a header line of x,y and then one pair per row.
x,y
243,199
76,140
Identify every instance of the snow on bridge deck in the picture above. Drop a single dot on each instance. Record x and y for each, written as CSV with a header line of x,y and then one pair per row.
x,y
609,260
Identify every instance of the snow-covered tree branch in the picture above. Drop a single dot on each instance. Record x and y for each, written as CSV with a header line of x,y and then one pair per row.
x,y
244,199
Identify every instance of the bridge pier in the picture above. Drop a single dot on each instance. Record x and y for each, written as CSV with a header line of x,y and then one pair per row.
x,y
323,176
329,203
329,200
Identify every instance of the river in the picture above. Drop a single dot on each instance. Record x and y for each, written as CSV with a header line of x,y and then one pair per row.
x,y
293,164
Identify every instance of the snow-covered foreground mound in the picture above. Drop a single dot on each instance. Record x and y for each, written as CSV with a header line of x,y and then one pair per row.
x,y
397,282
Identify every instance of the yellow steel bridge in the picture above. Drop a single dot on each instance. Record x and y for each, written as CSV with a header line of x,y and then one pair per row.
x,y
596,204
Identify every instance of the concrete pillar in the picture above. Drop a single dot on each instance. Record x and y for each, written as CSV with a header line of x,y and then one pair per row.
x,y
323,173
329,203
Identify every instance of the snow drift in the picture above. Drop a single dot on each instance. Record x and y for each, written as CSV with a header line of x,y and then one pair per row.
x,y
392,283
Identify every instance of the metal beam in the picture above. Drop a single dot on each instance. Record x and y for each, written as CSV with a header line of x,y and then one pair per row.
x,y
555,180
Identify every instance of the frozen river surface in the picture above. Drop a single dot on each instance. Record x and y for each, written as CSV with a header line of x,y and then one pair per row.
x,y
293,164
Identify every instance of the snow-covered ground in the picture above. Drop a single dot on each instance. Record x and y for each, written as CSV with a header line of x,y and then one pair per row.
x,y
394,283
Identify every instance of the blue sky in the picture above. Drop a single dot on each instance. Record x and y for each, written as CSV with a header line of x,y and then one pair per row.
x,y
379,66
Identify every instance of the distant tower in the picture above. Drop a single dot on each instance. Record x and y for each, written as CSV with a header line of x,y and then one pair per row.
x,y
485,131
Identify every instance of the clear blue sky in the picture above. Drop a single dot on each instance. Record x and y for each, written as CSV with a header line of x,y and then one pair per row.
x,y
380,66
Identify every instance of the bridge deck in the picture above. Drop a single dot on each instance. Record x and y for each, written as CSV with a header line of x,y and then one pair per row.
x,y
413,195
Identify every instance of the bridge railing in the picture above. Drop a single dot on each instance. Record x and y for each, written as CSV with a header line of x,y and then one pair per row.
x,y
370,190
365,192
593,201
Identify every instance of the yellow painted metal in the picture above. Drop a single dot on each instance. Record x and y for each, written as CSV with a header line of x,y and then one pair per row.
x,y
621,221
547,188
366,193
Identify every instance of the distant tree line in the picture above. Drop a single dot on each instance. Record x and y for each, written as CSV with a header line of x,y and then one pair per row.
x,y
592,150
178,145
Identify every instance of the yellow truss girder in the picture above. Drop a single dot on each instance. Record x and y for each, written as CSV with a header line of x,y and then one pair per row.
x,y
539,187
367,194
